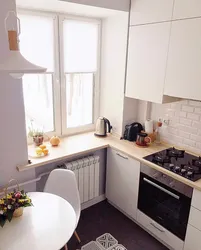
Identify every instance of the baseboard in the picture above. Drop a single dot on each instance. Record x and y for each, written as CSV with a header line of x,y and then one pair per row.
x,y
93,201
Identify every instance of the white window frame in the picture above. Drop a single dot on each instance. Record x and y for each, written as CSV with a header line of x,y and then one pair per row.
x,y
96,97
59,89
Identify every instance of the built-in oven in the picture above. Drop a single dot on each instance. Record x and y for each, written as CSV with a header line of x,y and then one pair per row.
x,y
165,200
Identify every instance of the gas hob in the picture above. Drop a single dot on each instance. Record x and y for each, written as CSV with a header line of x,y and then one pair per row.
x,y
179,162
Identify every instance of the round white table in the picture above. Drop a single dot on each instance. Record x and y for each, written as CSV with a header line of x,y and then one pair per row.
x,y
48,225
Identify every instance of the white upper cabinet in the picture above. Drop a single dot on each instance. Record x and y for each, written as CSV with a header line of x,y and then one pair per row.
x,y
186,9
147,58
183,77
150,11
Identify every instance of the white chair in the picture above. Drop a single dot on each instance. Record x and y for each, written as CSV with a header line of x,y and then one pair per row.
x,y
63,183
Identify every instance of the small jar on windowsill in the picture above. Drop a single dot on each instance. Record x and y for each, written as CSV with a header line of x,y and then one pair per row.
x,y
38,140
37,135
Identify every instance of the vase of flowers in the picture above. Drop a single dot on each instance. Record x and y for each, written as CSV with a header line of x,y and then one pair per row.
x,y
18,212
12,204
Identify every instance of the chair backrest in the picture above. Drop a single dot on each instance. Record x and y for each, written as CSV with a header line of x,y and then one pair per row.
x,y
63,183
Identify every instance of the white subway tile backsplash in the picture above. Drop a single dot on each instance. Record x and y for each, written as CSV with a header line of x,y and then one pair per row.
x,y
196,125
188,108
183,134
185,121
198,145
170,113
193,116
195,103
194,150
198,110
187,129
181,114
189,142
184,128
174,121
173,139
176,106
183,102
193,137
173,131
196,138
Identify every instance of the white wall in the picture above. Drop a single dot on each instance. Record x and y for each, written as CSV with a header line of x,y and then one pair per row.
x,y
114,45
129,112
111,4
13,148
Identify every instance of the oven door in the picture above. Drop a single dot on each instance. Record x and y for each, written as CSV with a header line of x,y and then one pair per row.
x,y
164,205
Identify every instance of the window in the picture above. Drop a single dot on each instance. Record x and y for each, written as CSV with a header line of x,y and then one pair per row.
x,y
79,49
64,100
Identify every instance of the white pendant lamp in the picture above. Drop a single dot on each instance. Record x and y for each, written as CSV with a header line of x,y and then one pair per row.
x,y
15,64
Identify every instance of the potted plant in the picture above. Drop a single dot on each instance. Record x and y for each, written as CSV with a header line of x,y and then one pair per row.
x,y
12,204
38,137
36,134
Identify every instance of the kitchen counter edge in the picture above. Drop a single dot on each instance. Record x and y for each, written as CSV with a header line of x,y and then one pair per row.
x,y
78,145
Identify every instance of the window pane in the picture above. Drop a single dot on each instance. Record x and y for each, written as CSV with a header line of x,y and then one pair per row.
x,y
37,40
79,98
38,101
80,46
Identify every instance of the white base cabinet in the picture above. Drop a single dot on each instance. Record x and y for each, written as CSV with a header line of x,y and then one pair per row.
x,y
122,182
193,234
193,239
160,232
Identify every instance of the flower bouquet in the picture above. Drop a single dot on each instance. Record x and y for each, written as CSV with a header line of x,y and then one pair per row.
x,y
12,204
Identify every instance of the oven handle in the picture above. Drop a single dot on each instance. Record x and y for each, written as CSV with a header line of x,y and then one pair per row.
x,y
162,189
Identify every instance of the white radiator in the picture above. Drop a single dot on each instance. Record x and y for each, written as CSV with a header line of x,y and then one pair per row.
x,y
87,174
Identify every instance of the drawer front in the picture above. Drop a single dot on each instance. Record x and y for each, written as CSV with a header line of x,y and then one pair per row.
x,y
195,218
196,200
159,231
193,237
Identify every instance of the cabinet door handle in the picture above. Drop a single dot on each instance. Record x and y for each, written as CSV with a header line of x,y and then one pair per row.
x,y
159,229
126,158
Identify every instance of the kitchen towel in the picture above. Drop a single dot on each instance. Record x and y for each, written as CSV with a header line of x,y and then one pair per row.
x,y
149,126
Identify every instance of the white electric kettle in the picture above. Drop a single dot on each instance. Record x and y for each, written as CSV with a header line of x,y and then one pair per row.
x,y
102,126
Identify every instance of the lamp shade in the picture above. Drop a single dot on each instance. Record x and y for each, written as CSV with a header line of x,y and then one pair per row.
x,y
17,64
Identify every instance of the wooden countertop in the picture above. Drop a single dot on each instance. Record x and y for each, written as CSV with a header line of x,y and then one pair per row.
x,y
78,145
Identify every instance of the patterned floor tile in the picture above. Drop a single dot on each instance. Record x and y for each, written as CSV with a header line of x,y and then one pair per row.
x,y
91,246
107,241
119,247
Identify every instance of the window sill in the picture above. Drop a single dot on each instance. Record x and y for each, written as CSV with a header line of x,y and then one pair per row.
x,y
77,145
69,147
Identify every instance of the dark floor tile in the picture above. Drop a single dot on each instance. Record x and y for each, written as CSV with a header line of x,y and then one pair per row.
x,y
104,218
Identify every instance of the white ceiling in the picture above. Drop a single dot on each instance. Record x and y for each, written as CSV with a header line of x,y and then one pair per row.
x,y
65,7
